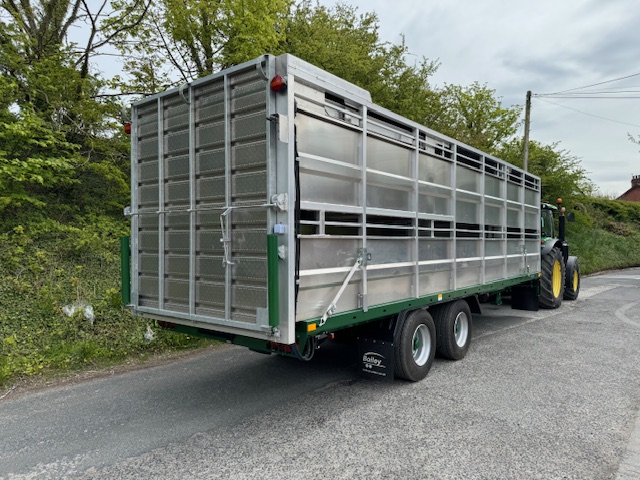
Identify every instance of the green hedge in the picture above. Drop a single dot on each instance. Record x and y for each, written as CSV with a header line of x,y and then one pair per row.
x,y
46,266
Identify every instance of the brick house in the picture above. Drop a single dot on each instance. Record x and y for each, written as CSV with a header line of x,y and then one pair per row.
x,y
633,194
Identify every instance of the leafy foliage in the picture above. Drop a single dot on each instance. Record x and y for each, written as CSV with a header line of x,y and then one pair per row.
x,y
58,134
348,45
336,40
180,41
473,115
603,211
45,266
196,37
609,246
63,177
605,234
32,156
561,173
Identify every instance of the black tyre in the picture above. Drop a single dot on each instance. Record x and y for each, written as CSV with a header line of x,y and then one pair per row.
x,y
415,345
572,279
553,280
454,325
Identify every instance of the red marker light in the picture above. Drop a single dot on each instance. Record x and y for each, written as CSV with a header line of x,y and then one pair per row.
x,y
127,128
278,84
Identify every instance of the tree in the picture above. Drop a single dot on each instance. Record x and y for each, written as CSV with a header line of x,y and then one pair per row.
x,y
335,39
473,115
560,172
348,45
57,128
40,29
405,88
32,156
181,40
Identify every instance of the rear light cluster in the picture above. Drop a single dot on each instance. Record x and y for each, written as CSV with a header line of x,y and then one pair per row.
x,y
279,84
127,128
279,347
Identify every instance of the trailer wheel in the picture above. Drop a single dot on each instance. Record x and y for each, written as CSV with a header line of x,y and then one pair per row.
x,y
572,279
454,325
415,345
552,281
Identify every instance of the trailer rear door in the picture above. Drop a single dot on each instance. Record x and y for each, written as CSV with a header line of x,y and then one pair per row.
x,y
203,176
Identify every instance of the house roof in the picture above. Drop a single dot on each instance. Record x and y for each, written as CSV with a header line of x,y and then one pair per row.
x,y
631,195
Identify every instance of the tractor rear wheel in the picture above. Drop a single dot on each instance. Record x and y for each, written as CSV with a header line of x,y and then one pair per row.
x,y
572,279
553,279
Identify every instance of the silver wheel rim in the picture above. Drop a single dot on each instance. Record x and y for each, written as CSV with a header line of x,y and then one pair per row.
x,y
461,329
421,345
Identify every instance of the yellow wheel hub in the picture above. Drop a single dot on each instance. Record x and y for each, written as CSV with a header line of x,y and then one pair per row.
x,y
575,281
556,279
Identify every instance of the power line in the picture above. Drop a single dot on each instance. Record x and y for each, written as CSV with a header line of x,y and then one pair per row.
x,y
609,90
628,97
620,87
589,86
589,114
607,94
593,92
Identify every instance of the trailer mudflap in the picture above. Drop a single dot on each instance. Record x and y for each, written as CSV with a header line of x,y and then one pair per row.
x,y
525,297
377,357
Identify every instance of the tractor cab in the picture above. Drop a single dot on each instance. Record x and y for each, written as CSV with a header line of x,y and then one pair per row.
x,y
547,223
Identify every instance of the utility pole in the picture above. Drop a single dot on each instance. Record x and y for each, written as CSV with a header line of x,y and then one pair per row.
x,y
527,122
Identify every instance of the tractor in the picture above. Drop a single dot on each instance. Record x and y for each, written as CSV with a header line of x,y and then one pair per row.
x,y
560,272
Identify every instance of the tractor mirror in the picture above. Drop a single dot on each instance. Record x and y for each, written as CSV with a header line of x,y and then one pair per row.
x,y
571,217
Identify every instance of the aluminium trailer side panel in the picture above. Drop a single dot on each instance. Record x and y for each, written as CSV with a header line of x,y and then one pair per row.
x,y
428,214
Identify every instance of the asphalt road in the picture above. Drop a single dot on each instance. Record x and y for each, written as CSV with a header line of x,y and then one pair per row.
x,y
548,394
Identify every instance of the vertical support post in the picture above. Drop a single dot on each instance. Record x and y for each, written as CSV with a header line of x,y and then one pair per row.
x,y
521,224
161,212
135,202
363,203
453,200
481,220
227,201
192,202
527,123
125,272
273,288
504,187
416,208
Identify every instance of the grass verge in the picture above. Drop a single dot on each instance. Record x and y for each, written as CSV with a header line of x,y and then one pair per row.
x,y
60,308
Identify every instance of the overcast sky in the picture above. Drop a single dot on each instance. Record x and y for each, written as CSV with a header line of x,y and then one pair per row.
x,y
544,46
